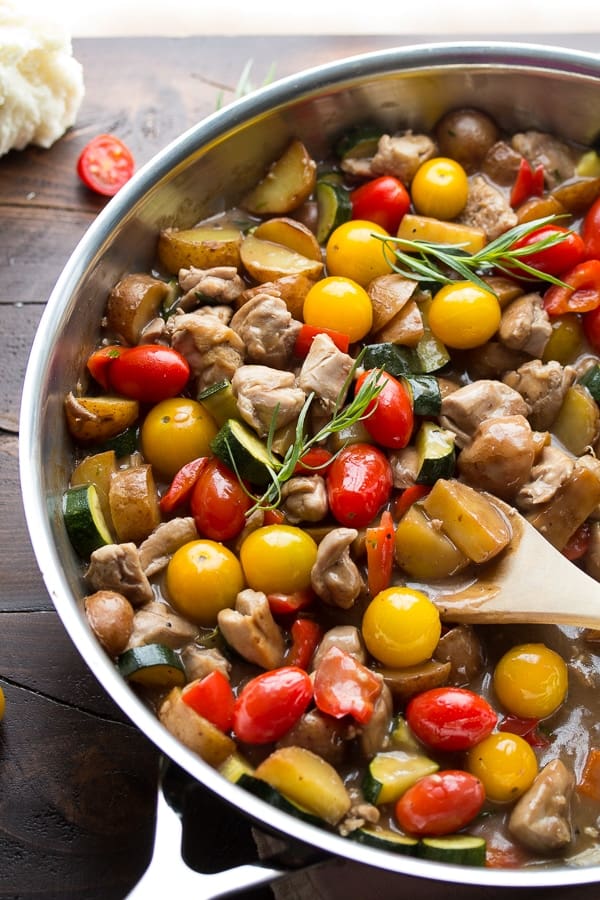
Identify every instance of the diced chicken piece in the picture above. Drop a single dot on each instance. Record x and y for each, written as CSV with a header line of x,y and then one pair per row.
x,y
405,467
402,154
213,350
501,164
117,567
325,370
492,360
252,631
543,387
321,734
267,329
110,615
375,733
220,284
359,815
156,623
335,577
156,551
500,456
525,325
264,394
553,469
461,647
541,818
487,208
344,637
223,313
464,409
154,331
557,158
199,662
304,499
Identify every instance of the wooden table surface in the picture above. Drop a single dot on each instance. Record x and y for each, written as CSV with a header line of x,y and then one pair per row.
x,y
77,780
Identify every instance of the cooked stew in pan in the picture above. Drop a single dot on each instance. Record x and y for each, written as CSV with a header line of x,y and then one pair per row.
x,y
292,441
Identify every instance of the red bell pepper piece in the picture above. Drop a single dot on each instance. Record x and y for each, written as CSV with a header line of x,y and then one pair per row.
x,y
316,460
409,496
581,292
525,728
212,698
307,334
100,362
528,183
380,554
273,517
306,635
289,604
343,686
589,785
182,485
577,545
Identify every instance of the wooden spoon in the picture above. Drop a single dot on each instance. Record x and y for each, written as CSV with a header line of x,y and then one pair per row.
x,y
530,581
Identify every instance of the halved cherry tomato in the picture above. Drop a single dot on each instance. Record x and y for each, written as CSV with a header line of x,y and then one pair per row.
x,y
379,542
182,485
389,417
528,183
149,373
525,728
409,496
577,545
270,704
273,517
590,231
212,698
582,294
359,482
306,635
289,604
440,803
307,334
316,460
450,718
383,200
218,502
553,260
105,164
100,362
343,687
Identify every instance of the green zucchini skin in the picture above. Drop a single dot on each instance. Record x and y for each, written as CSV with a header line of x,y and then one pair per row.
x,y
84,521
240,449
265,792
437,454
334,208
152,664
457,849
124,444
359,142
384,839
591,380
219,401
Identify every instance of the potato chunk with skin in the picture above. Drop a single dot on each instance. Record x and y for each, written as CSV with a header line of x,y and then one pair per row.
x,y
95,419
133,502
287,184
204,248
423,550
132,304
195,731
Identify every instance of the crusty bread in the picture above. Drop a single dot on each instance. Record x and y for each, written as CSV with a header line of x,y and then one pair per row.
x,y
41,84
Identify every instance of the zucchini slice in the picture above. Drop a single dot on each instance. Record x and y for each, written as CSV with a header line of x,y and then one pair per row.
x,y
390,774
435,446
152,665
385,839
239,448
219,401
84,520
591,380
394,359
426,394
123,444
334,208
274,797
458,849
359,142
234,767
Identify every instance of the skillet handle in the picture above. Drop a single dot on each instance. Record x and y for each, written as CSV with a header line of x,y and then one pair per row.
x,y
167,870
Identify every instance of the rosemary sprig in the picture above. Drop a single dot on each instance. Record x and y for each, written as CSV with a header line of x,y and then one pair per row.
x,y
430,261
342,417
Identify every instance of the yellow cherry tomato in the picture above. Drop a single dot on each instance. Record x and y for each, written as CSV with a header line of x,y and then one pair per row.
x,y
401,627
203,577
354,252
505,764
440,188
278,559
531,681
464,315
175,432
2,704
341,304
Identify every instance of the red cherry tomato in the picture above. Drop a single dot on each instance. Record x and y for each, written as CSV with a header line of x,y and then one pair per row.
x,y
105,164
582,293
555,259
149,373
440,803
383,200
359,482
219,503
308,333
590,231
181,487
314,461
212,698
591,328
450,718
290,604
390,417
270,704
343,687
100,362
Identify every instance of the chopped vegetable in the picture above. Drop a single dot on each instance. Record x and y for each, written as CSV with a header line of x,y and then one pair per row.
x,y
105,164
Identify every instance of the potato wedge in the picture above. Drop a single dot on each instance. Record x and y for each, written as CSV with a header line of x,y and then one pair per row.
x,y
405,328
574,501
133,502
291,288
132,303
292,234
389,294
403,683
505,289
577,425
194,730
287,184
96,419
538,207
423,228
267,261
577,195
423,550
98,470
203,247
307,780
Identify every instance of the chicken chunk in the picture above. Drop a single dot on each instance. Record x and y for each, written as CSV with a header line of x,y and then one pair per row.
x,y
117,567
220,284
199,662
500,456
543,387
213,350
501,163
335,577
158,548
461,647
549,473
405,466
525,325
264,394
344,637
156,623
541,818
487,208
325,371
557,158
304,499
322,734
464,409
374,734
401,155
267,329
252,631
